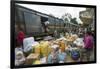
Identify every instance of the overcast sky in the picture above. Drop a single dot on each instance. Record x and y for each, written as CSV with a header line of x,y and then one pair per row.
x,y
57,11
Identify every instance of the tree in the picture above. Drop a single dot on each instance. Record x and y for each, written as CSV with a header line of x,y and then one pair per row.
x,y
74,20
67,17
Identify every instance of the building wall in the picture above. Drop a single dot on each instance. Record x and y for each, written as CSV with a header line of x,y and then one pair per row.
x,y
87,17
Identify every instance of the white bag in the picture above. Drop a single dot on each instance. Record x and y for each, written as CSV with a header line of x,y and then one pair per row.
x,y
43,60
79,42
19,59
29,43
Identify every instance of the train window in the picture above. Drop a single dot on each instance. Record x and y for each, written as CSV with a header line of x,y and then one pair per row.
x,y
52,23
51,20
32,22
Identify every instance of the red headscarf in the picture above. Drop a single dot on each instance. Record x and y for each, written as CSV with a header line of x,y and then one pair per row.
x,y
20,37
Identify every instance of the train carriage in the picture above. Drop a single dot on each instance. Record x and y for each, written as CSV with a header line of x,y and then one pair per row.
x,y
34,24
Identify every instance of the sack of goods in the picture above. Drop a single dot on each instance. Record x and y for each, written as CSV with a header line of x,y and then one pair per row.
x,y
53,58
32,57
62,45
28,43
36,48
49,59
79,42
43,60
75,54
45,48
37,62
19,58
62,57
54,48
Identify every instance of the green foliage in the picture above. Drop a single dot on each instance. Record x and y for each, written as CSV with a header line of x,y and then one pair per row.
x,y
74,20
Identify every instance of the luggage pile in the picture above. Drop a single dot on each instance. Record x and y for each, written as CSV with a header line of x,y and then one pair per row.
x,y
48,51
